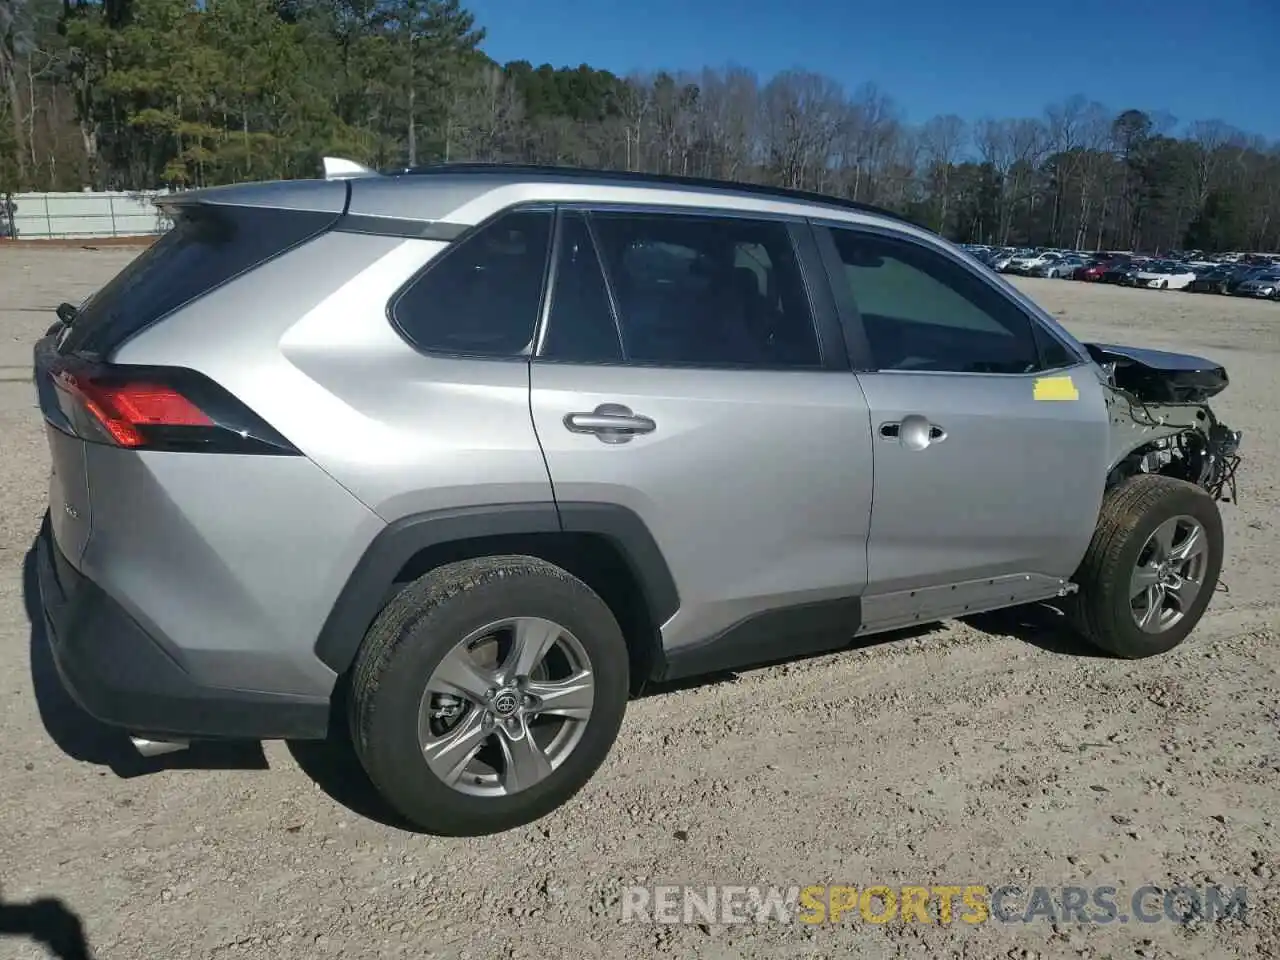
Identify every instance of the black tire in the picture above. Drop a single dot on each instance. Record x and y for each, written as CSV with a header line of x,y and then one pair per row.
x,y
423,623
1131,512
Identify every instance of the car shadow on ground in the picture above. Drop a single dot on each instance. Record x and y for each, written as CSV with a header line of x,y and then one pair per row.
x,y
333,765
663,688
1041,625
49,922
83,738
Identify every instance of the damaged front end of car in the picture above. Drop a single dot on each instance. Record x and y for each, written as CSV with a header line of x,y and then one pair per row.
x,y
1161,421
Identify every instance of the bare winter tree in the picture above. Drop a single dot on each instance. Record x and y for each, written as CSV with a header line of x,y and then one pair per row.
x,y
869,144
16,42
1211,137
942,141
484,116
802,113
135,93
1013,149
636,107
1095,171
726,127
1064,124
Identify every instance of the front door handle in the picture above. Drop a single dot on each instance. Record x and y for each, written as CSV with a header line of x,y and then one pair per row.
x,y
610,422
914,432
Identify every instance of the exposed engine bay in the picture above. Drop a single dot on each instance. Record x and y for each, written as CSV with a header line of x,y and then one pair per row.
x,y
1161,421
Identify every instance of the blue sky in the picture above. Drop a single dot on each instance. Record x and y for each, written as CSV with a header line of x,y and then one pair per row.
x,y
1195,59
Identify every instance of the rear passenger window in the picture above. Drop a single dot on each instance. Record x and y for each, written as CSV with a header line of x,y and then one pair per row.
x,y
481,296
923,311
581,325
207,245
707,291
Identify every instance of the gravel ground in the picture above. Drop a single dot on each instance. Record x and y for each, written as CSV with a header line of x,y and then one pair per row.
x,y
991,752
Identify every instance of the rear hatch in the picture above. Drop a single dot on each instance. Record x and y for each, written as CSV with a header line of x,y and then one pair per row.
x,y
217,236
70,516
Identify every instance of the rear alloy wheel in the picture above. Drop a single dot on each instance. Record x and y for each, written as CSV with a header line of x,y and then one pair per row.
x,y
487,693
1151,569
480,720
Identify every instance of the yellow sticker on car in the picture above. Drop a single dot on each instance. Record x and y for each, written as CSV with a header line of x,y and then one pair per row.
x,y
1056,388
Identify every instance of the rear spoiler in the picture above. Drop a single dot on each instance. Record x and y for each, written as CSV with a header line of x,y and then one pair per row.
x,y
339,168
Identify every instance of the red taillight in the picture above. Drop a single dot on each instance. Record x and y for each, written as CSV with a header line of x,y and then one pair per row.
x,y
150,408
121,408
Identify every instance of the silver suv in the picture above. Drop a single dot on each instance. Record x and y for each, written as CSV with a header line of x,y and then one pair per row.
x,y
461,458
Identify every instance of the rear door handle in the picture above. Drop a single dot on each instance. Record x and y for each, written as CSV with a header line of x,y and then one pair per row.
x,y
610,422
914,432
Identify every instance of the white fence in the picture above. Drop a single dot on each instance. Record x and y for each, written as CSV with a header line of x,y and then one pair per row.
x,y
47,216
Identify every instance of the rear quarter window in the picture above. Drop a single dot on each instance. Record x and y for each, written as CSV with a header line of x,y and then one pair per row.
x,y
480,297
208,245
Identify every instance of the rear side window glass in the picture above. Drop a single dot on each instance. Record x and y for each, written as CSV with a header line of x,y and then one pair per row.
x,y
580,327
481,296
707,291
208,245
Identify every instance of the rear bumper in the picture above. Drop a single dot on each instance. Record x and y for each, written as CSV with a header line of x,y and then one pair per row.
x,y
121,676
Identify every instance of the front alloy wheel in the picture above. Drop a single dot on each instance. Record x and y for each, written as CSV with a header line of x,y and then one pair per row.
x,y
1169,574
1151,568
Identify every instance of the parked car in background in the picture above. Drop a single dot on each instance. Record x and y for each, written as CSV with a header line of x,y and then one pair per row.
x,y
1121,271
984,255
1243,276
1095,269
1027,264
1163,275
1060,269
1265,284
1191,270
1213,279
1001,261
1091,271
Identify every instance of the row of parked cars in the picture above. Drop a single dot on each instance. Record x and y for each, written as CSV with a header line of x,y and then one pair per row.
x,y
1244,276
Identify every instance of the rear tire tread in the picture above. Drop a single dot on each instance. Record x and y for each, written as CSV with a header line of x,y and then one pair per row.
x,y
388,656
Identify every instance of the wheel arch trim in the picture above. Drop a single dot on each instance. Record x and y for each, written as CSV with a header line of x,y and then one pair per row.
x,y
365,592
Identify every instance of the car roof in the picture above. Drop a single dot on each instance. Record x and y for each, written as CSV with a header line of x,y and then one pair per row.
x,y
466,193
553,174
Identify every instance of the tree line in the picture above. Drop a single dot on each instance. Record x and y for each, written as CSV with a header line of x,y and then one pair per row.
x,y
138,94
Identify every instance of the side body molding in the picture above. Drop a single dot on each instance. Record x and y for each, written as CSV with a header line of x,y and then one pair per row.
x,y
371,582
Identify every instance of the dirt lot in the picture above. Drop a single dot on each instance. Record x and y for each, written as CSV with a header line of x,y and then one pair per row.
x,y
994,752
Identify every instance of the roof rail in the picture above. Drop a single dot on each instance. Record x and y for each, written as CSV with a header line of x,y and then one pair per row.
x,y
658,179
339,168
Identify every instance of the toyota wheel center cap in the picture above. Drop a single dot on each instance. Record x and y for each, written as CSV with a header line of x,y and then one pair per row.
x,y
506,702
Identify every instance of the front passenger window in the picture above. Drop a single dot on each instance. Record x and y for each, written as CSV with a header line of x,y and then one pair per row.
x,y
923,311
